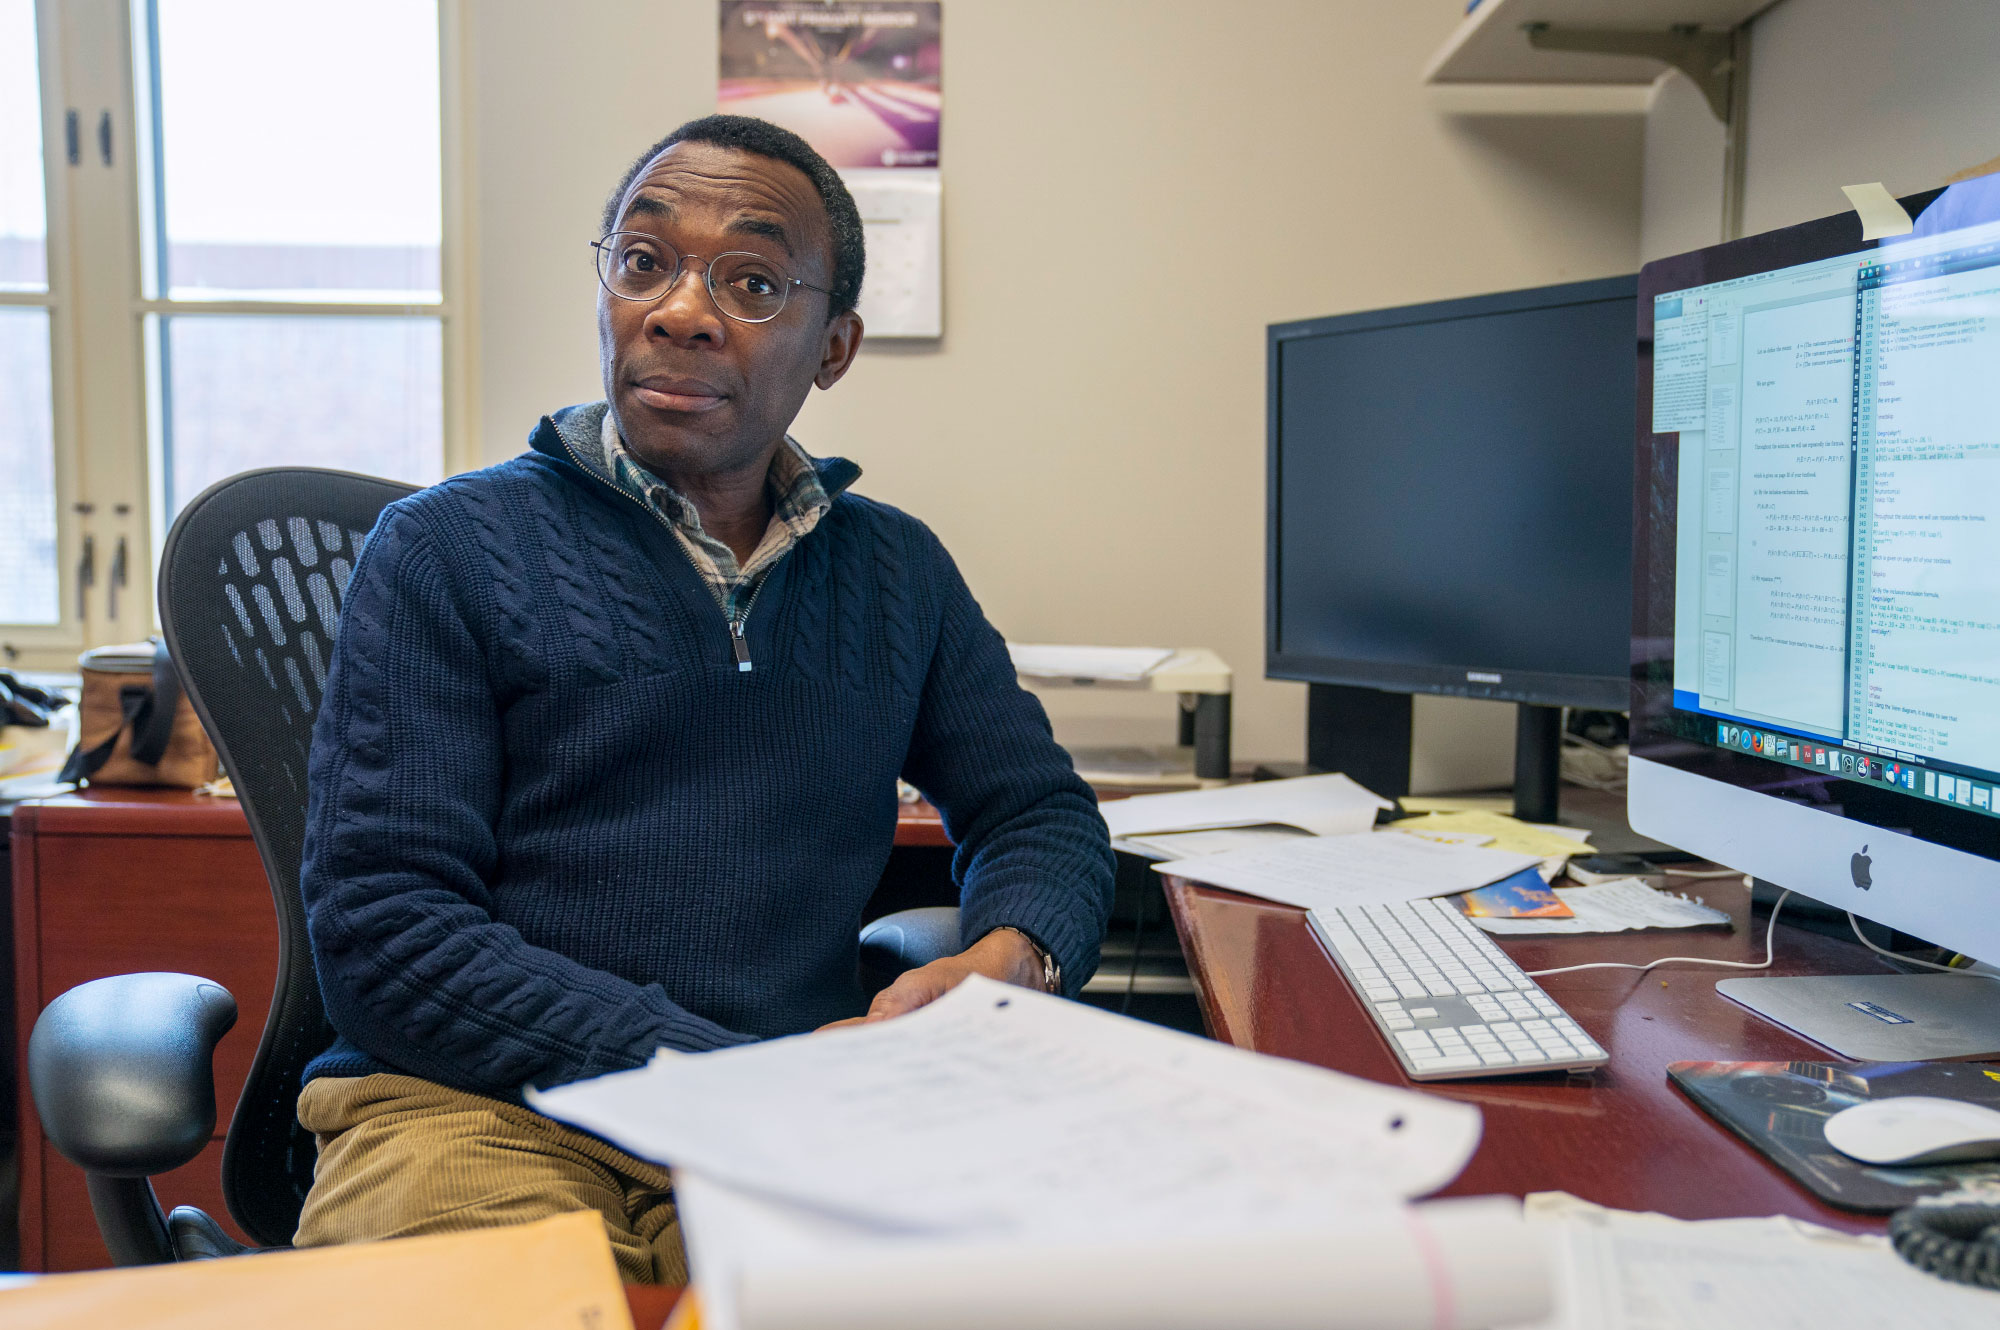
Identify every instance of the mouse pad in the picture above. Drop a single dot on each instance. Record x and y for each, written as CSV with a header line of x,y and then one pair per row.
x,y
1781,1108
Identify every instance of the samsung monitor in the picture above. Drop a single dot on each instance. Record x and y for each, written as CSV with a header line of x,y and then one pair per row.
x,y
1450,500
1816,696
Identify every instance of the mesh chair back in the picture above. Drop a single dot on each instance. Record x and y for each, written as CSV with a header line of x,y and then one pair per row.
x,y
251,582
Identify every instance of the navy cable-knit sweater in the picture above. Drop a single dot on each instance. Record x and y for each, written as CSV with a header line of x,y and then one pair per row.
x,y
553,826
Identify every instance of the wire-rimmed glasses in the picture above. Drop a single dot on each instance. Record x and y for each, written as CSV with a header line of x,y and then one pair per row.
x,y
746,287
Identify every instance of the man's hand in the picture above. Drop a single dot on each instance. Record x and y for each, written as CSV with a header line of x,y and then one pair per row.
x,y
1002,954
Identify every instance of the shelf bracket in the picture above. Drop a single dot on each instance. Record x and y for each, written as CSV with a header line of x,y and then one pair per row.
x,y
1709,58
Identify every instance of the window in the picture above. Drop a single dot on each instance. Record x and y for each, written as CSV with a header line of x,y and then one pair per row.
x,y
250,265
29,586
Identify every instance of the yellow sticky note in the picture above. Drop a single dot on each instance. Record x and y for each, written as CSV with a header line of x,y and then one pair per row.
x,y
1507,833
1881,216
1456,803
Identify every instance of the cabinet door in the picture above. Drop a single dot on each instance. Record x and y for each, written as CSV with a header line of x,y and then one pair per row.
x,y
90,906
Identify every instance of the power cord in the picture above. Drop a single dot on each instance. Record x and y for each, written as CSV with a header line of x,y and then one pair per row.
x,y
1138,942
1770,941
1855,924
1956,1242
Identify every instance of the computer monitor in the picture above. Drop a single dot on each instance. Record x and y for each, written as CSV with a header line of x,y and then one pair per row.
x,y
1450,494
1816,696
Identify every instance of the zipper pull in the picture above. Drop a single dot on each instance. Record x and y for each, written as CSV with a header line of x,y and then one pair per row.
x,y
739,646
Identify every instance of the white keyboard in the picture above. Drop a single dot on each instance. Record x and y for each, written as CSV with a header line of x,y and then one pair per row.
x,y
1450,1003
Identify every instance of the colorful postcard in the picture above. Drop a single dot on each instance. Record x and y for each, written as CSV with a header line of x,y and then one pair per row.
x,y
1522,896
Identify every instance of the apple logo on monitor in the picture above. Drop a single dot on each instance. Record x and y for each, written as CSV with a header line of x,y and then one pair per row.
x,y
1859,867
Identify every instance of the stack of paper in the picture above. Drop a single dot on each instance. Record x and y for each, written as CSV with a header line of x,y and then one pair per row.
x,y
1330,805
1086,664
1329,872
1171,845
1005,1158
1626,1271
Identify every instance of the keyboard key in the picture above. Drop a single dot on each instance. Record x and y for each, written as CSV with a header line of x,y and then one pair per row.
x,y
1376,992
1461,1062
1414,1040
1439,988
1409,988
1493,1057
1399,1022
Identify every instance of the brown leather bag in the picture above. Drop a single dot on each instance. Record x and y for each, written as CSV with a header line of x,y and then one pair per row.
x,y
135,726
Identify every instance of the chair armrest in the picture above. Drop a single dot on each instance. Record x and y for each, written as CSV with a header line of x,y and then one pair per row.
x,y
122,1071
909,938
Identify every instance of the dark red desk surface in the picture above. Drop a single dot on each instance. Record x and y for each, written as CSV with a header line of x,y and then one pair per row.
x,y
111,811
1625,1137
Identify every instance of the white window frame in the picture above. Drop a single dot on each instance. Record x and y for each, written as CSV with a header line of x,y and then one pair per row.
x,y
95,59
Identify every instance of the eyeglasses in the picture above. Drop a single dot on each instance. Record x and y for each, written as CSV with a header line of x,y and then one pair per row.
x,y
747,287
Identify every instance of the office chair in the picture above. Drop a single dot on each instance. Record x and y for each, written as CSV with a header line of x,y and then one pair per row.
x,y
121,1069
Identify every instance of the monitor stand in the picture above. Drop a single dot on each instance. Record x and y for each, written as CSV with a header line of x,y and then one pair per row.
x,y
1365,732
1881,1017
1538,746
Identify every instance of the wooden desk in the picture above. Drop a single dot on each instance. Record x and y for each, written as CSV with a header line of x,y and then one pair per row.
x,y
1625,1137
110,881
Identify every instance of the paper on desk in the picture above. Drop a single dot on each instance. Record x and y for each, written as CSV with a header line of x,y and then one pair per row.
x,y
1330,805
1193,844
1614,907
1331,872
1459,1263
1082,1120
553,1272
1109,664
1626,1271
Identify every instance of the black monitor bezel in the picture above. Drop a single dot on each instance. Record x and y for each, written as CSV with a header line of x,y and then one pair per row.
x,y
1660,733
1600,692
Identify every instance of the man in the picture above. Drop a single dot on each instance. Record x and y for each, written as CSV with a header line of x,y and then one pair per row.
x,y
608,754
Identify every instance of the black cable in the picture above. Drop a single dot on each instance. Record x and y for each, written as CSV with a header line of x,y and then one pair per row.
x,y
1956,1242
1138,937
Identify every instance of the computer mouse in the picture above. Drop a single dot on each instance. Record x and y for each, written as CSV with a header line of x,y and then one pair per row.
x,y
1916,1129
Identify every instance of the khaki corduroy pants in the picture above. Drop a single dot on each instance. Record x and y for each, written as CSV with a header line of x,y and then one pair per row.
x,y
401,1157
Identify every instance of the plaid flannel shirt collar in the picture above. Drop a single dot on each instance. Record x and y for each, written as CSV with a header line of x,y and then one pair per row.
x,y
798,501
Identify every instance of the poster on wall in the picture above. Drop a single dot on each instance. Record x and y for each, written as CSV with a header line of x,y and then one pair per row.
x,y
862,81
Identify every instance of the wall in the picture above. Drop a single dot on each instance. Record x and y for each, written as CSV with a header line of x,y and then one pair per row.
x,y
1134,189
1841,92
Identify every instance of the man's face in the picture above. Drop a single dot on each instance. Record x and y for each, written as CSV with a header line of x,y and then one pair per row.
x,y
696,393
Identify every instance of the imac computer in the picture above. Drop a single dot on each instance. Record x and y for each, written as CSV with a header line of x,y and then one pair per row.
x,y
1450,511
1816,691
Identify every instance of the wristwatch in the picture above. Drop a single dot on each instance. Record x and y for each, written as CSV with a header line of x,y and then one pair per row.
x,y
1051,969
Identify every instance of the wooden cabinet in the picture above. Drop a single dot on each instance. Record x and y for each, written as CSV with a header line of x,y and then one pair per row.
x,y
113,881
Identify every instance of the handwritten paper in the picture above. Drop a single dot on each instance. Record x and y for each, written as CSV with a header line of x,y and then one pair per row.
x,y
1083,1119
